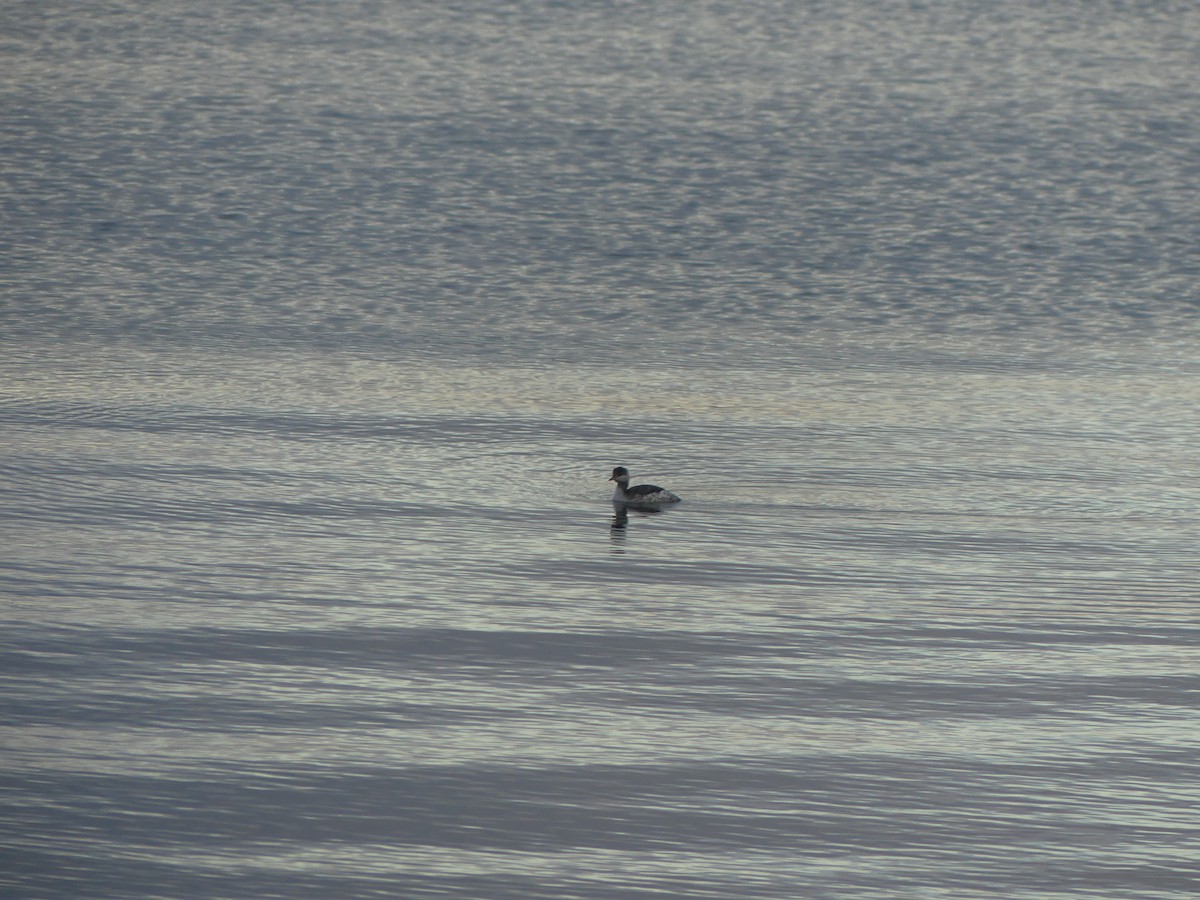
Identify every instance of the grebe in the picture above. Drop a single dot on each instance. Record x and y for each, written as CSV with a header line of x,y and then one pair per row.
x,y
649,494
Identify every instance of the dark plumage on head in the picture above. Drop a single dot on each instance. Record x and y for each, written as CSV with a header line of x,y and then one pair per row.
x,y
620,473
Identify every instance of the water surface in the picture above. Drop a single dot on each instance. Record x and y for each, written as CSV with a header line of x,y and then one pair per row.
x,y
324,324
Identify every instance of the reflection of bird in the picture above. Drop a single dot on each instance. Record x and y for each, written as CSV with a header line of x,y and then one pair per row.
x,y
649,494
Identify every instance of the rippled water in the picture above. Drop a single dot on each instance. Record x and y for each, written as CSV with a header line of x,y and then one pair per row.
x,y
323,325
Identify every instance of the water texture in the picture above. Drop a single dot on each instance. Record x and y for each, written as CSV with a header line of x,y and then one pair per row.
x,y
323,324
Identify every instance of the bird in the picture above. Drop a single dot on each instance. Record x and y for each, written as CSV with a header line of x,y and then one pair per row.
x,y
639,494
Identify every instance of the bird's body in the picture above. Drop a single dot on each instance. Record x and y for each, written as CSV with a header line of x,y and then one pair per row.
x,y
639,494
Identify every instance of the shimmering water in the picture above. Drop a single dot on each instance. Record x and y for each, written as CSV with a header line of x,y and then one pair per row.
x,y
322,326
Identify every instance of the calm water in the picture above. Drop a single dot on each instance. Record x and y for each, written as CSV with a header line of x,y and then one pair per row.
x,y
322,325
